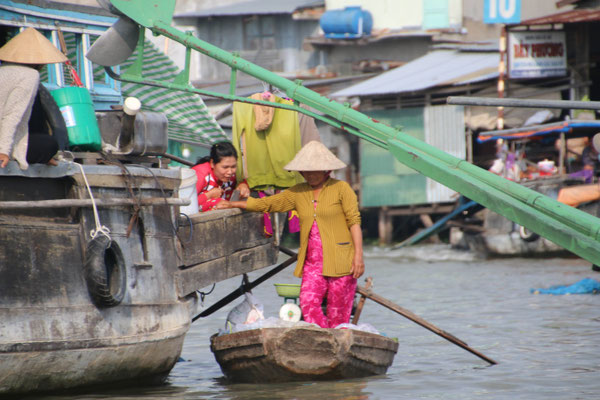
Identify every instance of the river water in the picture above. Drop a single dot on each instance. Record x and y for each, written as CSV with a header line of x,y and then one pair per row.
x,y
547,346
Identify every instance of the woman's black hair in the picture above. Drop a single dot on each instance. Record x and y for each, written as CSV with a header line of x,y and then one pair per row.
x,y
218,151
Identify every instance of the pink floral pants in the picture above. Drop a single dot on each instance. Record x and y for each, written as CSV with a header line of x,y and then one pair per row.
x,y
339,290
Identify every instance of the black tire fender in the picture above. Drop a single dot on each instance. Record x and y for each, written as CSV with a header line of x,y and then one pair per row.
x,y
55,118
105,272
526,235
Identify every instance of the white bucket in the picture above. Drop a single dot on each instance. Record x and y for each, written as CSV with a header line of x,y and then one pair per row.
x,y
187,190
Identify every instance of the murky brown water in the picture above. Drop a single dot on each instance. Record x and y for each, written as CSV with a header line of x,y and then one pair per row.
x,y
547,346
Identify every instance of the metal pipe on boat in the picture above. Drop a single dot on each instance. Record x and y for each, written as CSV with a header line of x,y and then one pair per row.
x,y
150,201
178,159
287,251
245,287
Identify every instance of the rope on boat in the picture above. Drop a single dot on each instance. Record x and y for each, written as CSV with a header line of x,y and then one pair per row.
x,y
204,294
100,229
137,199
191,226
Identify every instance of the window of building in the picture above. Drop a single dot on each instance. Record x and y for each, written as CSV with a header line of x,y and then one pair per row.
x,y
104,90
259,33
435,14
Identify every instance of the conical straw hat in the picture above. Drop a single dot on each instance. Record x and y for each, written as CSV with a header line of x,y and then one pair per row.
x,y
31,47
314,156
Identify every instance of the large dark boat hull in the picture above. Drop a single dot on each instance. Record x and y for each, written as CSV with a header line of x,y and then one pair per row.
x,y
58,329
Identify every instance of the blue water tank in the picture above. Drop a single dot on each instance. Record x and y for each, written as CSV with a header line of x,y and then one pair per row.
x,y
351,22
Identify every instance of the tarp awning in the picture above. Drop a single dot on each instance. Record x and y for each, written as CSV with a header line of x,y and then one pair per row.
x,y
568,127
189,118
437,68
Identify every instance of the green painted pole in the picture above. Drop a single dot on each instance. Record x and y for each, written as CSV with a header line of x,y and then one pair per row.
x,y
136,78
570,228
568,215
500,201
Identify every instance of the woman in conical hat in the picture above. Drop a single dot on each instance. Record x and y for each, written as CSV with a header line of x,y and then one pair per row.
x,y
330,258
22,57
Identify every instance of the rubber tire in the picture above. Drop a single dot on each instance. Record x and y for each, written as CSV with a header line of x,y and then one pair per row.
x,y
55,118
103,259
526,235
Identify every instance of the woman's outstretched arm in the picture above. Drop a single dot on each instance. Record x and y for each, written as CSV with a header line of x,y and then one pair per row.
x,y
280,202
224,204
358,265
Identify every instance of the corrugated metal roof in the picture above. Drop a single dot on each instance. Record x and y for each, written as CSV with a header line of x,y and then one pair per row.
x,y
254,7
567,17
440,67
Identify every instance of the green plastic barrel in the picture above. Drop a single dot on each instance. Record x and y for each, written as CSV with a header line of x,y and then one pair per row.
x,y
76,106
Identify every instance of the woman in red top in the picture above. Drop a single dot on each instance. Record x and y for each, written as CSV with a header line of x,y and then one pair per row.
x,y
216,176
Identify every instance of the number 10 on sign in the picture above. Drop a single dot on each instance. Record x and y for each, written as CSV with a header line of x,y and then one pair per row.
x,y
502,11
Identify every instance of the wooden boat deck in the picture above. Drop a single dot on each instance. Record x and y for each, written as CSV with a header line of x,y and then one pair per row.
x,y
271,355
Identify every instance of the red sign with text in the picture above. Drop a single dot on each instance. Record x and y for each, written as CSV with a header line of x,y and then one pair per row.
x,y
537,54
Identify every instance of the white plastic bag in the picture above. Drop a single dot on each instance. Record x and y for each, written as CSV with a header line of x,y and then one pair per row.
x,y
362,327
247,312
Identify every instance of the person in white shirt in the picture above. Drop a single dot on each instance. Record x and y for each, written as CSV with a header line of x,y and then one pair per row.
x,y
22,57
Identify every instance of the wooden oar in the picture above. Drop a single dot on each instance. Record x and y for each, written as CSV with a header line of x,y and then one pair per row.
x,y
361,302
405,313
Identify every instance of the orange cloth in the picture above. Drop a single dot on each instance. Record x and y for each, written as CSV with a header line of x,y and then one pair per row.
x,y
263,115
576,195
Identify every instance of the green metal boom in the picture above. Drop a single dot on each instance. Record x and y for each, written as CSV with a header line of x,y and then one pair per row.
x,y
566,226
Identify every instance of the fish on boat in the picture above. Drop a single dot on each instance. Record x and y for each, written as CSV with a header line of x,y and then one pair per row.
x,y
305,353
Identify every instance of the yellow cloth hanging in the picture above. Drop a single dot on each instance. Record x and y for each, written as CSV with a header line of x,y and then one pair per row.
x,y
264,153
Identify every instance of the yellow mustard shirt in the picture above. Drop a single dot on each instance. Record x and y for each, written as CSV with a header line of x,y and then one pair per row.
x,y
337,211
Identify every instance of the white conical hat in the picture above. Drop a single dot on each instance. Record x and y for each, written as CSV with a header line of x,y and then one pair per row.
x,y
31,47
314,156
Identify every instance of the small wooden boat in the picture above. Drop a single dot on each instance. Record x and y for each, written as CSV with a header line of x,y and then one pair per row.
x,y
271,355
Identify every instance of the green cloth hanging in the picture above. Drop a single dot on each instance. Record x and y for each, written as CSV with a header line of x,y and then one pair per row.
x,y
268,151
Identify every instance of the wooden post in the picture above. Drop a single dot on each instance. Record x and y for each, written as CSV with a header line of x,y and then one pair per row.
x,y
469,136
385,226
427,221
361,302
562,154
501,76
